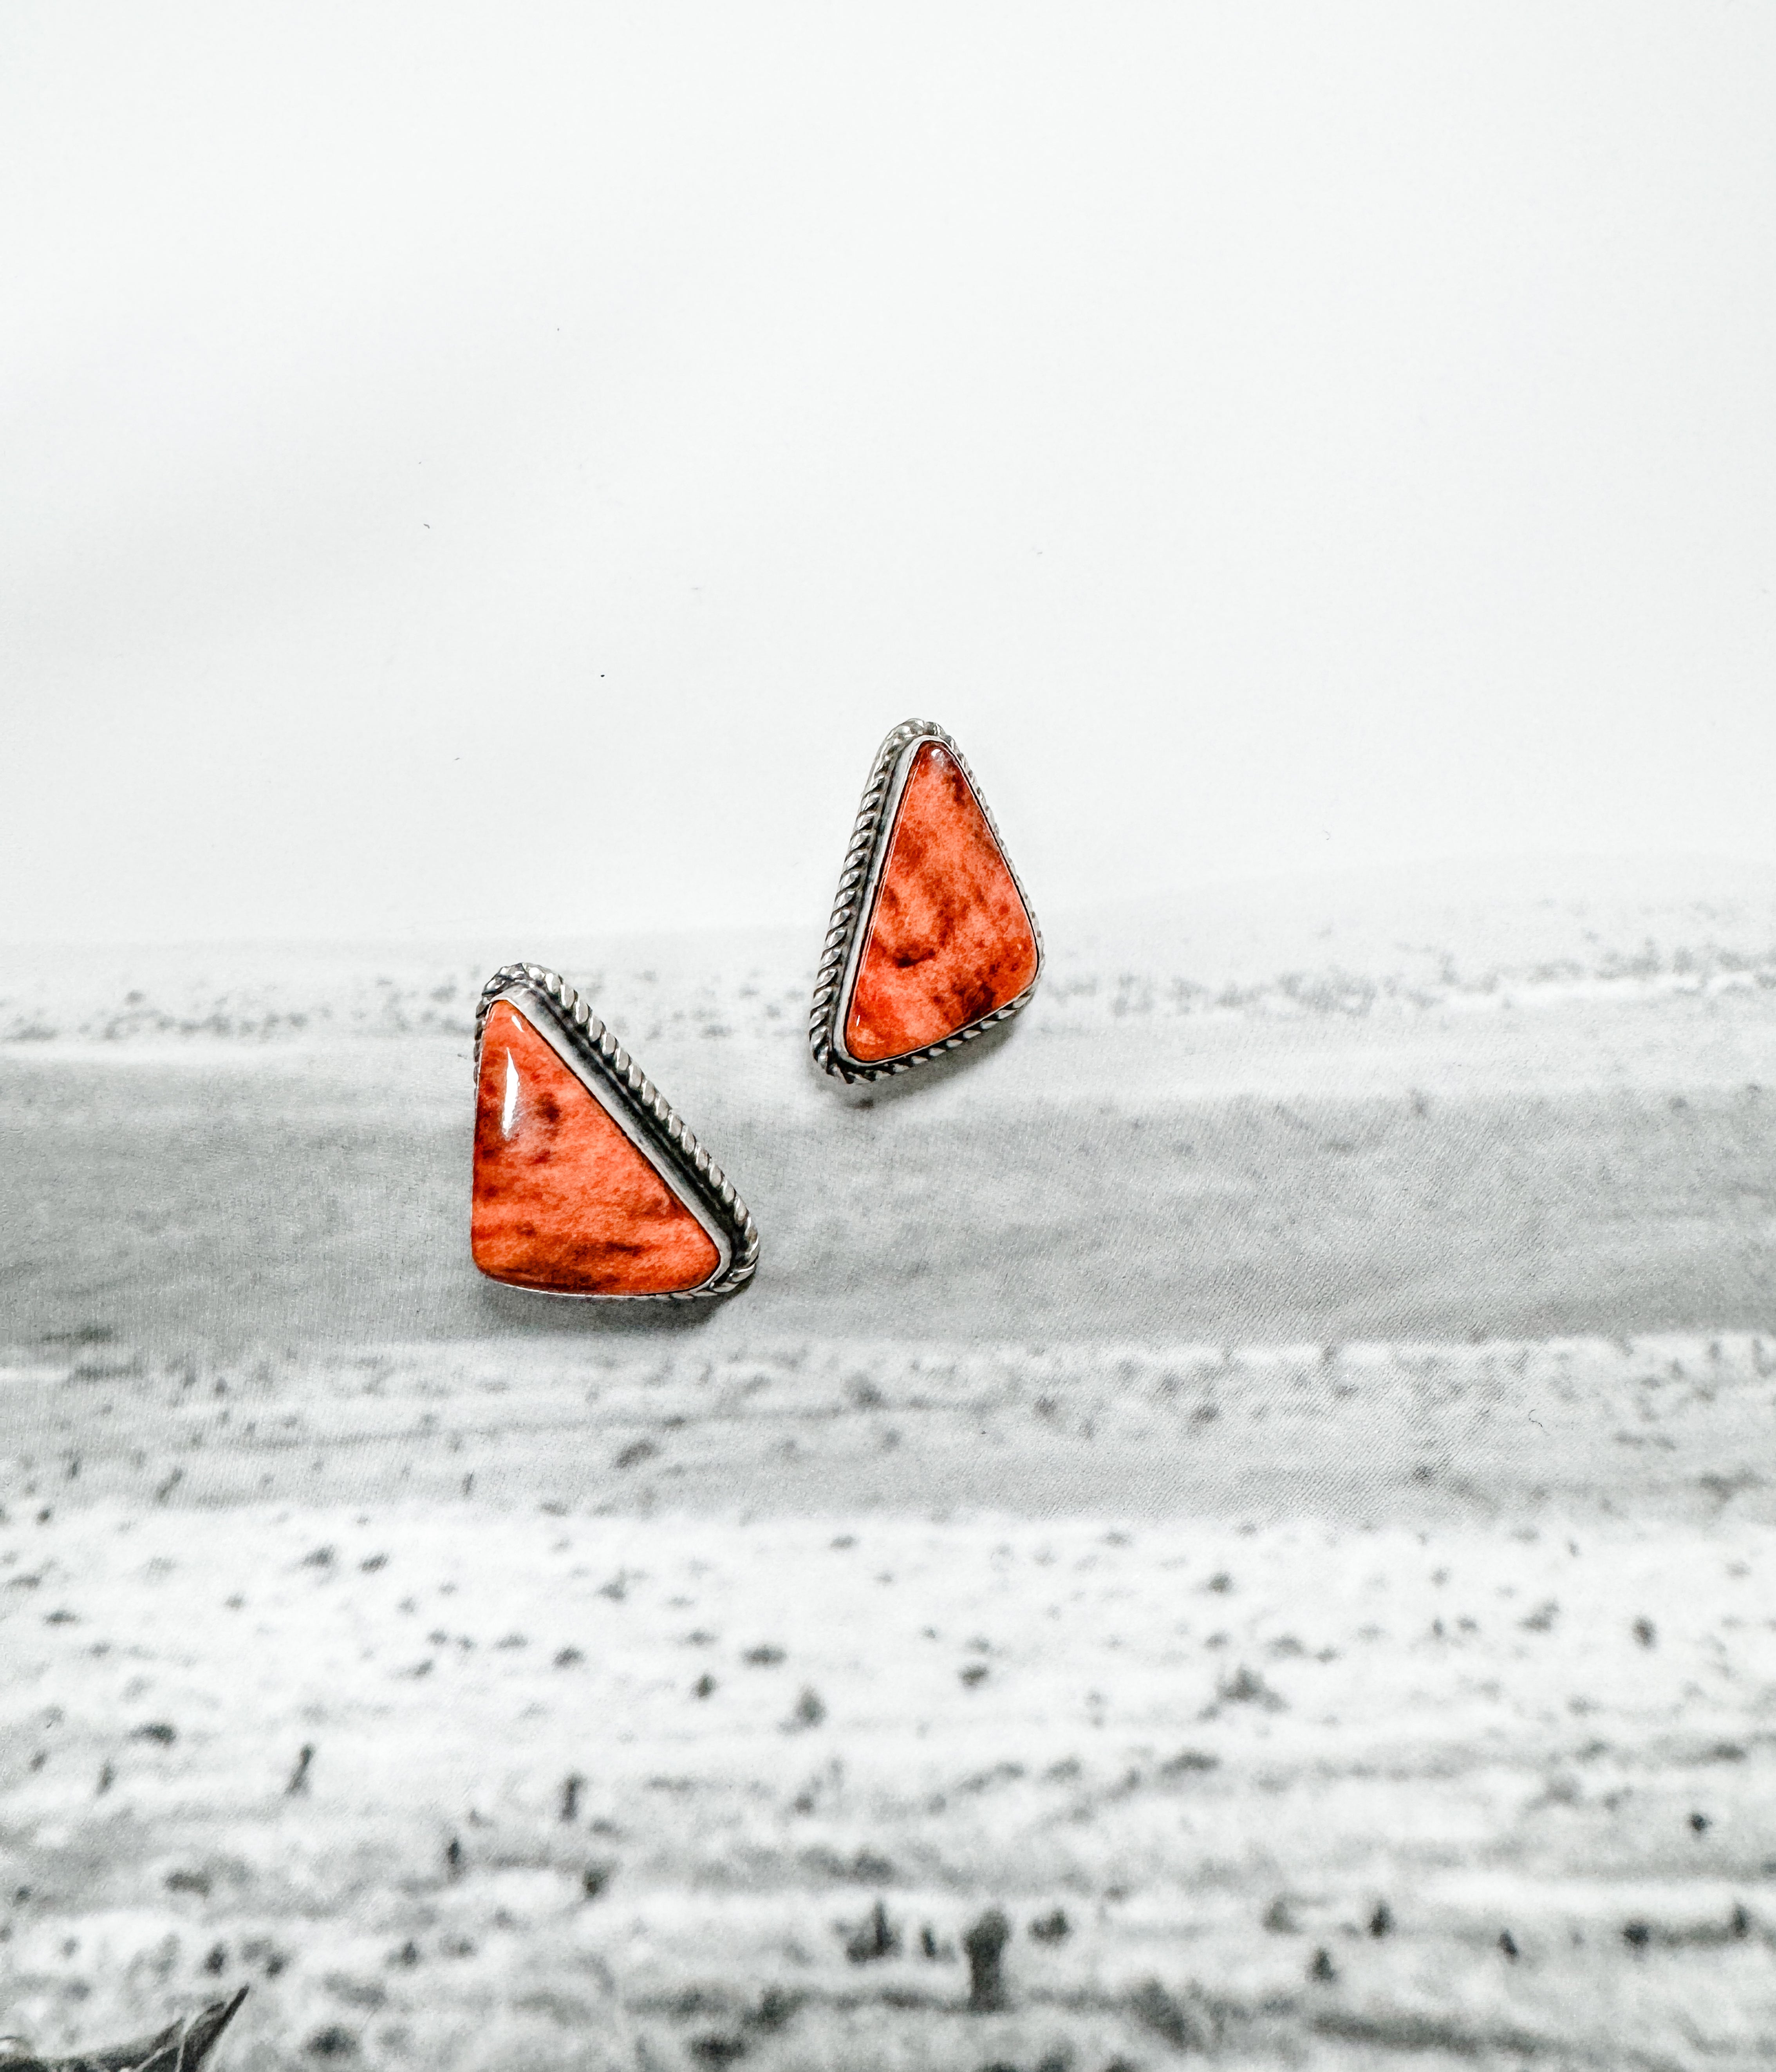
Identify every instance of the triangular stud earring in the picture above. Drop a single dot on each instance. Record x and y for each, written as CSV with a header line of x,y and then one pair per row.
x,y
932,941
586,1181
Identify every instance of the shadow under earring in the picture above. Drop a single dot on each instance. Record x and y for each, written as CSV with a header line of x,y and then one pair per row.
x,y
932,941
587,1183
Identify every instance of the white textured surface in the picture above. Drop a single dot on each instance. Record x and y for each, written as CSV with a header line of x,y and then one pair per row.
x,y
1172,1731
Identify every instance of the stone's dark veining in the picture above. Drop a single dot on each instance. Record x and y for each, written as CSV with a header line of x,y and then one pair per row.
x,y
949,938
562,1200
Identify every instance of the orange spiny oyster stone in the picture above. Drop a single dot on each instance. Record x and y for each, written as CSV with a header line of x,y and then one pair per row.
x,y
562,1200
950,938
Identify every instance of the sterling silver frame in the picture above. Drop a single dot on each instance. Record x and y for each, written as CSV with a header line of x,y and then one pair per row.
x,y
858,884
566,1023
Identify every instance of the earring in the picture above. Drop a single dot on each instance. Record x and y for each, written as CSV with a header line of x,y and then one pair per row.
x,y
932,940
586,1182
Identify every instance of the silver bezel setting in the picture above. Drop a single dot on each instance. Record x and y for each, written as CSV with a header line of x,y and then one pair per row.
x,y
859,882
567,1024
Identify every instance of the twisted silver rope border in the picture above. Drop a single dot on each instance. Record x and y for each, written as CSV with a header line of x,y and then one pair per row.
x,y
600,1048
867,836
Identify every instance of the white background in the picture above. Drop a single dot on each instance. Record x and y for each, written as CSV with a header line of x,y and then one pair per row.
x,y
505,468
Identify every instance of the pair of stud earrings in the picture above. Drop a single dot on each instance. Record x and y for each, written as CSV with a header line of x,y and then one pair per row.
x,y
587,1183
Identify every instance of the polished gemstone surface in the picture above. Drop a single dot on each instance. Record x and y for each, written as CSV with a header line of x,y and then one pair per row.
x,y
949,939
563,1200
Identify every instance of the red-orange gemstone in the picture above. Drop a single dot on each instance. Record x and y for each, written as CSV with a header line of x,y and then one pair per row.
x,y
950,939
562,1200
